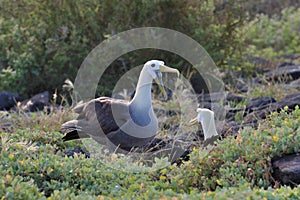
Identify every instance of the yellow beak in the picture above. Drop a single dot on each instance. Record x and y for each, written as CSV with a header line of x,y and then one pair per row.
x,y
158,79
161,88
164,68
193,121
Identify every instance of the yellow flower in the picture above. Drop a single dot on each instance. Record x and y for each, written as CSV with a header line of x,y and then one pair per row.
x,y
56,192
142,186
8,178
11,156
275,138
162,178
239,139
164,171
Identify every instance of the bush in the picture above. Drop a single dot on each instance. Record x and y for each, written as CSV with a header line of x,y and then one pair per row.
x,y
275,36
267,40
44,43
17,188
40,45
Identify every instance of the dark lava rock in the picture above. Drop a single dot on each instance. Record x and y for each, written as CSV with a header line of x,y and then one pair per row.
x,y
290,101
282,72
286,169
161,148
198,83
241,85
234,97
285,64
36,103
78,150
294,84
8,100
231,128
155,145
231,112
292,57
257,60
184,157
258,103
211,140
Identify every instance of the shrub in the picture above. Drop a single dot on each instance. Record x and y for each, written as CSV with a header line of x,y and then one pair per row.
x,y
44,43
266,41
279,33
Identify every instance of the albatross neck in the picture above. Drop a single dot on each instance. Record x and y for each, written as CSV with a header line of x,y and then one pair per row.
x,y
142,99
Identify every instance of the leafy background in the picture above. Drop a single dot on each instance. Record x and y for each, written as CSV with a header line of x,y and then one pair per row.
x,y
42,43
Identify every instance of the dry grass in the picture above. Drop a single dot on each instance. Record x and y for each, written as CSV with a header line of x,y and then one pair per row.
x,y
278,90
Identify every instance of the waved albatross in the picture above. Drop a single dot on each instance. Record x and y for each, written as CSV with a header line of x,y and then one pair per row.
x,y
206,118
125,124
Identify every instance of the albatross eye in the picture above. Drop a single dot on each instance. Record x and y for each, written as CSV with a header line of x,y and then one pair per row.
x,y
152,65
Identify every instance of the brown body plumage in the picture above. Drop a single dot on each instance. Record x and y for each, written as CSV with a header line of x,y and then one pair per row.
x,y
97,118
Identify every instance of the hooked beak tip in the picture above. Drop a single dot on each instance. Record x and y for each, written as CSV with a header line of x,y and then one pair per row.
x,y
164,68
193,122
161,88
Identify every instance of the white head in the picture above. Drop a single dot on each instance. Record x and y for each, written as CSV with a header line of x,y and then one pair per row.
x,y
155,69
206,118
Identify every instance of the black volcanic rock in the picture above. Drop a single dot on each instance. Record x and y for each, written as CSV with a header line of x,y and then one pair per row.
x,y
284,73
8,100
290,101
259,103
36,103
286,169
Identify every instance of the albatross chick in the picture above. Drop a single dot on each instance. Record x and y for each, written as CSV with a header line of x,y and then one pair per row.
x,y
206,118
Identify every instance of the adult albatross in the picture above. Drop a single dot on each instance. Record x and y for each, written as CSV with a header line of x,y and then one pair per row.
x,y
206,118
125,124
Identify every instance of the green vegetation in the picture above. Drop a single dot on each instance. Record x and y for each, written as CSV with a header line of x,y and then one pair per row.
x,y
270,40
39,40
271,90
43,43
33,164
275,36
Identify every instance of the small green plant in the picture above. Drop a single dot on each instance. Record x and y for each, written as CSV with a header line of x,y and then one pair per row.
x,y
275,90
